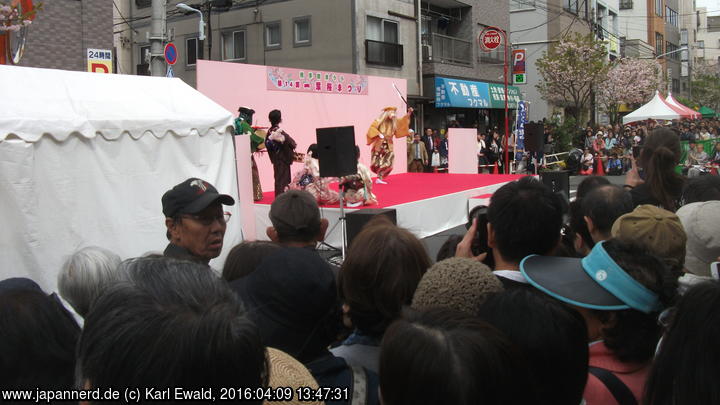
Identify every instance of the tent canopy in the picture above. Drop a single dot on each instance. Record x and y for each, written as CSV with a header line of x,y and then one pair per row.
x,y
86,157
654,109
682,109
58,103
707,112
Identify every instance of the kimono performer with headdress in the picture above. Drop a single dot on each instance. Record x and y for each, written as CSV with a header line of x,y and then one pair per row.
x,y
243,126
358,187
380,137
309,179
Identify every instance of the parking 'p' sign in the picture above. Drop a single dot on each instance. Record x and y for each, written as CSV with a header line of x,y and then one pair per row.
x,y
490,39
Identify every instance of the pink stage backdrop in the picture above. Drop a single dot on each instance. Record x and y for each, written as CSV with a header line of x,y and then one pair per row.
x,y
235,84
462,150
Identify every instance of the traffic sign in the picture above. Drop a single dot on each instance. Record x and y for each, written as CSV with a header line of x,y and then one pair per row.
x,y
170,53
490,39
520,78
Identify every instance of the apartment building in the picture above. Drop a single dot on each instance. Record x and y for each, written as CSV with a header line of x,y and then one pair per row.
x,y
707,46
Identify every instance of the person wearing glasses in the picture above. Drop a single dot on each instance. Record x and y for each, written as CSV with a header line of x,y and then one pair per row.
x,y
195,220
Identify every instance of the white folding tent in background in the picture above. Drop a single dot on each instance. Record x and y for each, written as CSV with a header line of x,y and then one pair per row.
x,y
85,159
655,109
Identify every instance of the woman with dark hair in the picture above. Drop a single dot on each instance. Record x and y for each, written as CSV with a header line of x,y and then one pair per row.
x,y
447,357
652,179
552,338
378,277
620,290
687,366
281,149
245,257
38,337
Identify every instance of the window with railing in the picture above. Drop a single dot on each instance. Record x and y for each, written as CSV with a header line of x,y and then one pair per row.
x,y
383,53
494,56
658,44
626,4
522,4
571,6
447,49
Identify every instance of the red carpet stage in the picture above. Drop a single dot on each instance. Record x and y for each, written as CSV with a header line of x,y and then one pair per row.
x,y
426,203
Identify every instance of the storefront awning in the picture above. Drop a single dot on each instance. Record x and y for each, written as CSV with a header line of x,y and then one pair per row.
x,y
471,94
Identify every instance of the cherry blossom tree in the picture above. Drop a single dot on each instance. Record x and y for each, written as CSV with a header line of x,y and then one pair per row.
x,y
629,81
13,18
571,70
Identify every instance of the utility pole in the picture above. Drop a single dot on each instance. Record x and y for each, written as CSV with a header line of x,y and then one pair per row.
x,y
157,38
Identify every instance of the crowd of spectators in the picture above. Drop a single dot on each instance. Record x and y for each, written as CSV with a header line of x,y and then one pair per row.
x,y
610,299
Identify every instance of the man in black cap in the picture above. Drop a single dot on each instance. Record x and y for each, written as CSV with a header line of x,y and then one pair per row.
x,y
195,220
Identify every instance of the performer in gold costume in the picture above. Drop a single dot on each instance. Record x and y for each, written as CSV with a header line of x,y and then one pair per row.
x,y
380,136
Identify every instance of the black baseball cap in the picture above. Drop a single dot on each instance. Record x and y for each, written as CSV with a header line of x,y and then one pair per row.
x,y
191,196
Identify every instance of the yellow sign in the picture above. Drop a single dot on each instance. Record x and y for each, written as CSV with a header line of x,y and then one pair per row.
x,y
99,61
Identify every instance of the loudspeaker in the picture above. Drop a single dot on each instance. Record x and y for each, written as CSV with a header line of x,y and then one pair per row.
x,y
558,181
356,220
336,151
534,137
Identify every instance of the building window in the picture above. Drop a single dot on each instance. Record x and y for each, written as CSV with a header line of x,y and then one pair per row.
x,y
571,6
683,37
701,44
522,5
626,4
659,7
272,35
143,3
658,44
191,51
233,45
382,30
676,86
144,54
301,31
671,16
670,47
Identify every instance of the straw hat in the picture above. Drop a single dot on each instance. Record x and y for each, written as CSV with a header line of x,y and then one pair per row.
x,y
285,371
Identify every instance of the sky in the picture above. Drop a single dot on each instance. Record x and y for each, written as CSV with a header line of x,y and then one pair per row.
x,y
711,5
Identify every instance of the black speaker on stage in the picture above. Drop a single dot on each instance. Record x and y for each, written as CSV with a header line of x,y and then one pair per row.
x,y
356,220
336,151
558,181
534,137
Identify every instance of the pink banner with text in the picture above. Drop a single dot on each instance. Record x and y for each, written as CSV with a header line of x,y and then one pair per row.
x,y
315,81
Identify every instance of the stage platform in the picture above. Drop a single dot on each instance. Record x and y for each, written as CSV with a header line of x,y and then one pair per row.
x,y
426,203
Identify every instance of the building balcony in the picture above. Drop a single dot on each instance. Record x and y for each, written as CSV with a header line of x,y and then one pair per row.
x,y
445,49
383,53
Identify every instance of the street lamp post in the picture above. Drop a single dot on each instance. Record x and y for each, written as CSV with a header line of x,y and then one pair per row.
x,y
201,26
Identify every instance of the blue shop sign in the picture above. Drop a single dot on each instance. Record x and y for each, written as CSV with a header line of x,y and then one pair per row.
x,y
461,93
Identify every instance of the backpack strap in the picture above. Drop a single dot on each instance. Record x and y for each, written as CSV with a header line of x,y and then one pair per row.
x,y
359,386
617,388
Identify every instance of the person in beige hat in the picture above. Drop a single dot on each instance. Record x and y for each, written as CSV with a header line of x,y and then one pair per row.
x,y
456,283
702,225
287,372
657,230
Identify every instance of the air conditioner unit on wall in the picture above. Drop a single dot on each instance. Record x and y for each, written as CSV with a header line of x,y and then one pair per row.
x,y
427,52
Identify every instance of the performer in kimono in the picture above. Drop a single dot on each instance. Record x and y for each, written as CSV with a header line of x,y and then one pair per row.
x,y
281,148
358,186
380,136
309,179
243,126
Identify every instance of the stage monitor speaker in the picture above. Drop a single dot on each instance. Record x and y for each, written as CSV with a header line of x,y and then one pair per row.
x,y
356,220
336,151
558,181
534,137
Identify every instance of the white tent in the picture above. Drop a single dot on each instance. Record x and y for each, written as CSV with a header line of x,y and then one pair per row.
x,y
654,109
85,159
